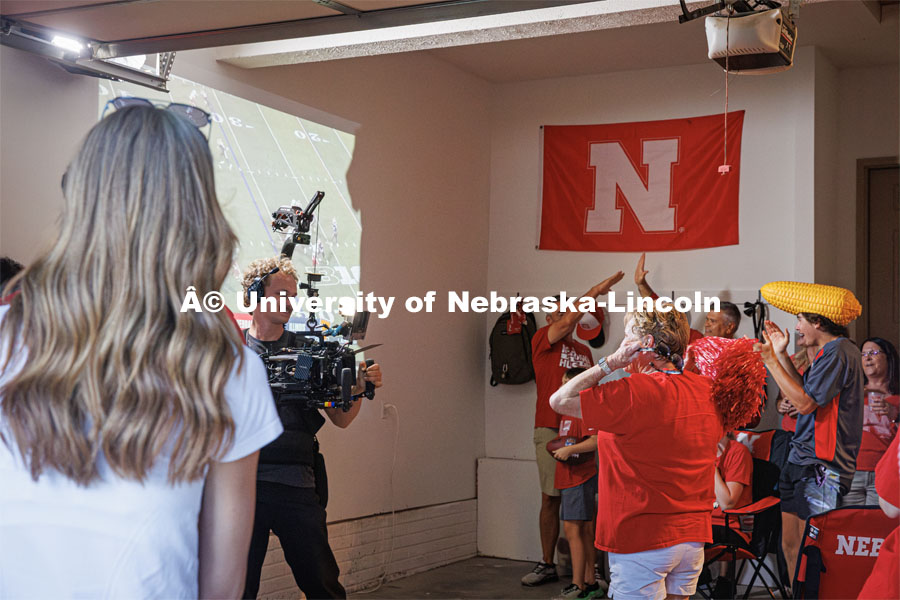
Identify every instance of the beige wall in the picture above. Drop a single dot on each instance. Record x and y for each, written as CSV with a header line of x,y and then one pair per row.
x,y
44,112
419,176
868,127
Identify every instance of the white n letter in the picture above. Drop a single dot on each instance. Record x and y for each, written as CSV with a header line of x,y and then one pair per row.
x,y
845,545
650,203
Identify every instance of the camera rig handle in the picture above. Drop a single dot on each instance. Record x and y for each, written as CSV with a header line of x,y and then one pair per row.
x,y
295,221
370,387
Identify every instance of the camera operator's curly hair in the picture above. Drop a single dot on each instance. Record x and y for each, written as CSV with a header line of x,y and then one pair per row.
x,y
670,328
262,266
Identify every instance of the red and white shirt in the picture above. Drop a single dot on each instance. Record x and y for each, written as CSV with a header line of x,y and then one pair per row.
x,y
551,361
569,475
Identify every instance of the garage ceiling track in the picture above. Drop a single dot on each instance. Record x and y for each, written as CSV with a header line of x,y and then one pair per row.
x,y
128,27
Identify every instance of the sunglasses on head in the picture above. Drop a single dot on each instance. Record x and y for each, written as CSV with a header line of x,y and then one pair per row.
x,y
663,350
198,117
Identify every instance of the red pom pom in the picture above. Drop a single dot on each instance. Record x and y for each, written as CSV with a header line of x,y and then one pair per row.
x,y
738,375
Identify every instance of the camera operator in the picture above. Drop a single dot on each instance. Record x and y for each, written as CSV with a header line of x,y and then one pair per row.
x,y
291,482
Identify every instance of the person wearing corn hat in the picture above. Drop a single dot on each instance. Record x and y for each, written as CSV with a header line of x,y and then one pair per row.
x,y
828,398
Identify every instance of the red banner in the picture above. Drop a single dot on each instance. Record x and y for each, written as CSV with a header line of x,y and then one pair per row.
x,y
635,187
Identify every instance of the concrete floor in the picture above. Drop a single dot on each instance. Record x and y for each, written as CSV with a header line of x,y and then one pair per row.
x,y
480,577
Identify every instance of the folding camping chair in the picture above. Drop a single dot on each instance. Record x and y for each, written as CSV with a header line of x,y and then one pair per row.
x,y
838,551
771,444
753,543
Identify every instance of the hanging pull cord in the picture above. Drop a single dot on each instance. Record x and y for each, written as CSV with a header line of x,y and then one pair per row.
x,y
725,167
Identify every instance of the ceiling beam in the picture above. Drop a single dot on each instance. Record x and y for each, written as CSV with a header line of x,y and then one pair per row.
x,y
341,23
551,21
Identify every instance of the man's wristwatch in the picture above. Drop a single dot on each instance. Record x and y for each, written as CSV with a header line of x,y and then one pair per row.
x,y
604,366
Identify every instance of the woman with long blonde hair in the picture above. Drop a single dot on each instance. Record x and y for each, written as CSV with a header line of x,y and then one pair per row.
x,y
130,430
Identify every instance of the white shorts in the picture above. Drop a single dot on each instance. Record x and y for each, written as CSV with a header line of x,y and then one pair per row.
x,y
656,573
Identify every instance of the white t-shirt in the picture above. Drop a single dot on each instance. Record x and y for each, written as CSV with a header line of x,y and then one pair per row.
x,y
117,538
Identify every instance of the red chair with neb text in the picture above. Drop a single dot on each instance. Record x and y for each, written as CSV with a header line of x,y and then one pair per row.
x,y
838,551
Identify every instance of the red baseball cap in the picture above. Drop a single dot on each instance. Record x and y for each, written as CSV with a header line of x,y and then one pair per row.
x,y
591,324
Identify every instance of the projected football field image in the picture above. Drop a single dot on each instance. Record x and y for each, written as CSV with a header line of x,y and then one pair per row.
x,y
263,159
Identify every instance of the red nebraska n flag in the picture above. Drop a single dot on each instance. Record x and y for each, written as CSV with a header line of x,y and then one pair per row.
x,y
634,187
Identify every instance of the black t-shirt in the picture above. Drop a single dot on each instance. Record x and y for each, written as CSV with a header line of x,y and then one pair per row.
x,y
294,475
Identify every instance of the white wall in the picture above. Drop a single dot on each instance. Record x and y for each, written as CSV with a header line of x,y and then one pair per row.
x,y
776,235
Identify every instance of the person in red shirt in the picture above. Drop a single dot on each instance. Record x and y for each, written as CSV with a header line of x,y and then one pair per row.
x,y
884,581
734,489
658,434
554,350
576,480
880,411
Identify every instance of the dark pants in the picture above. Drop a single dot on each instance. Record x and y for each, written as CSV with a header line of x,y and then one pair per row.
x,y
295,516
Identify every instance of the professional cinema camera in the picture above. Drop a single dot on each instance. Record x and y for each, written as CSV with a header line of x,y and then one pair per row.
x,y
316,371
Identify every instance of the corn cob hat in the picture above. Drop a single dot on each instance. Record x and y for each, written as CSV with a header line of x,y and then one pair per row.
x,y
835,303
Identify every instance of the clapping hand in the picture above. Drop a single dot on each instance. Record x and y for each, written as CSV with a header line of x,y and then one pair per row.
x,y
778,337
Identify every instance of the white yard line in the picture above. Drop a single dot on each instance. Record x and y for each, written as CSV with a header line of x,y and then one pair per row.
x,y
241,150
283,155
344,146
336,186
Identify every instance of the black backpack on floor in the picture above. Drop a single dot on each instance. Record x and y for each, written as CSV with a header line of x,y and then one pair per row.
x,y
510,344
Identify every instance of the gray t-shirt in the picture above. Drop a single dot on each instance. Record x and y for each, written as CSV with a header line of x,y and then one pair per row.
x,y
301,476
831,434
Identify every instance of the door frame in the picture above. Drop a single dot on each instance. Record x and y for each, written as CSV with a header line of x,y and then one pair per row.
x,y
863,167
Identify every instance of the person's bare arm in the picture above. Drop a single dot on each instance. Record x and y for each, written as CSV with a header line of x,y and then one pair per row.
x,y
567,399
640,278
727,493
791,388
586,445
569,320
363,374
225,527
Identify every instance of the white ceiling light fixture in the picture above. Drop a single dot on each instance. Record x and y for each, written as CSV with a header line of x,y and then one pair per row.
x,y
76,56
67,43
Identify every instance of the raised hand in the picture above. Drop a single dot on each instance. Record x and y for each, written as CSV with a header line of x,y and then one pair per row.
x,y
640,274
766,350
778,338
604,286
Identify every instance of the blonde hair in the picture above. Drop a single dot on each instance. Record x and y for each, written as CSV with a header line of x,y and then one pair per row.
x,y
261,267
670,328
109,362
